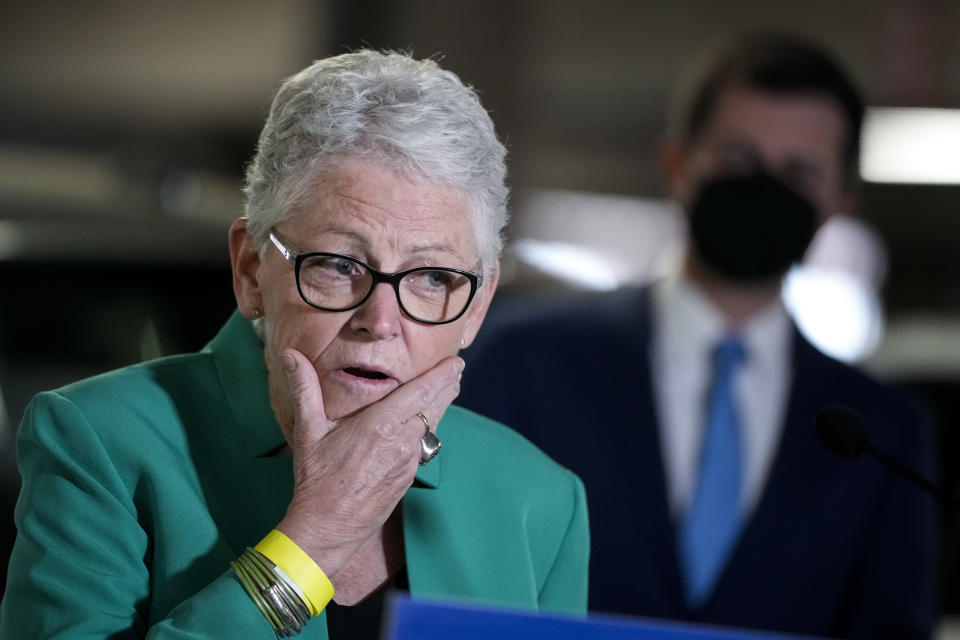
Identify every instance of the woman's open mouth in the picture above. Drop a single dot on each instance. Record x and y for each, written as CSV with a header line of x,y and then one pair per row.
x,y
369,374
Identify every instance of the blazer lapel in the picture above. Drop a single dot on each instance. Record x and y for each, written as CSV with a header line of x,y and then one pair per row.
x,y
447,559
431,562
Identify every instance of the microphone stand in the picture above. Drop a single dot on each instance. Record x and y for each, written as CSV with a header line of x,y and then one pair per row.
x,y
912,476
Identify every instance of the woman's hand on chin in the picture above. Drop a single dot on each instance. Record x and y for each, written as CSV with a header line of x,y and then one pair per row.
x,y
350,474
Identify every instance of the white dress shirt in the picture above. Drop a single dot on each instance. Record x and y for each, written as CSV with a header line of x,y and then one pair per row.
x,y
687,328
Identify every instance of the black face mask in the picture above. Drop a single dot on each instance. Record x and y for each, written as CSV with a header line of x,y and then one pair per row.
x,y
750,228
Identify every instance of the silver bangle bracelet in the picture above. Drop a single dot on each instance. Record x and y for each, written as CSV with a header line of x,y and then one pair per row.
x,y
279,599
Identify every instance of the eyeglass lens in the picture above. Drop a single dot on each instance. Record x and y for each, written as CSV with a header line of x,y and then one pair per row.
x,y
336,282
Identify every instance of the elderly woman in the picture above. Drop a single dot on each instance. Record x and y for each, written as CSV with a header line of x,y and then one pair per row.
x,y
307,428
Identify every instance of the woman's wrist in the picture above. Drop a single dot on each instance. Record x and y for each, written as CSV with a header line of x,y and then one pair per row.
x,y
307,577
324,548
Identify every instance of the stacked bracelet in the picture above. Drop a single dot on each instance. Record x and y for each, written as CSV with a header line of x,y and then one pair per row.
x,y
284,582
274,594
299,568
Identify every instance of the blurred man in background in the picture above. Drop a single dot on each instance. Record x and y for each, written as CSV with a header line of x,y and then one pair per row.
x,y
688,406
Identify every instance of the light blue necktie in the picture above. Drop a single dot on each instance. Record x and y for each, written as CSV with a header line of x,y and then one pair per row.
x,y
713,520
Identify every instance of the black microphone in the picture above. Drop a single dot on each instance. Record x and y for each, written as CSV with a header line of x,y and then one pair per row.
x,y
844,432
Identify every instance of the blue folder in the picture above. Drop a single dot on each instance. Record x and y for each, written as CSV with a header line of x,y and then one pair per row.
x,y
408,619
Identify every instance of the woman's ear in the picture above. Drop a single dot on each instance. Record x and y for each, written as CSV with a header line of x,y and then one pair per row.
x,y
478,308
245,261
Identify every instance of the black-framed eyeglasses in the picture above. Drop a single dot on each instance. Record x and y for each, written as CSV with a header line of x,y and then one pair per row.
x,y
333,282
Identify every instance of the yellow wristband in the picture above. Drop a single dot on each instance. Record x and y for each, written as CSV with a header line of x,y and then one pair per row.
x,y
305,573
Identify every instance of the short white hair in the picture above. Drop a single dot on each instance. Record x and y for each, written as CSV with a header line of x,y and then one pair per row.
x,y
409,115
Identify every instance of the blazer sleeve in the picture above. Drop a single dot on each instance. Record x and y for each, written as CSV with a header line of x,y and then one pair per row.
x,y
565,588
80,563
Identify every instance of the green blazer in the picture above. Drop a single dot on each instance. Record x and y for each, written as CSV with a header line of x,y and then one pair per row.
x,y
140,486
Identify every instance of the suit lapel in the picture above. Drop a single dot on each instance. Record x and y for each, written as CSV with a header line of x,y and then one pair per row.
x,y
659,523
790,476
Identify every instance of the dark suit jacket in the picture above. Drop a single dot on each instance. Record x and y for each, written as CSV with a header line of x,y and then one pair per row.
x,y
835,547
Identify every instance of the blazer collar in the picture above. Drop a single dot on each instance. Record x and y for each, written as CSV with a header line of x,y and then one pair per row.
x,y
238,356
428,476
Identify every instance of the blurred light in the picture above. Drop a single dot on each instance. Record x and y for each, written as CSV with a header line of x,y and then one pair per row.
x,y
150,341
11,240
636,239
911,145
924,345
836,311
57,176
181,192
577,265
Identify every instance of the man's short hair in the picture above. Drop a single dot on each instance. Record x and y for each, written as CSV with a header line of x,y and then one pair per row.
x,y
775,63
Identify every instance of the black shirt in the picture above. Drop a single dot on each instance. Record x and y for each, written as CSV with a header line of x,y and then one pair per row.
x,y
364,620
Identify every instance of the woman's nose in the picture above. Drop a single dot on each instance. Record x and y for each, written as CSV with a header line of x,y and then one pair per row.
x,y
379,315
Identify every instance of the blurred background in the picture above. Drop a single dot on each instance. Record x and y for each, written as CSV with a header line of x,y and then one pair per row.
x,y
125,126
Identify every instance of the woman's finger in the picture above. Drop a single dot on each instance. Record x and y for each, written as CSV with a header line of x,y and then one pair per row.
x,y
306,398
434,411
424,391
